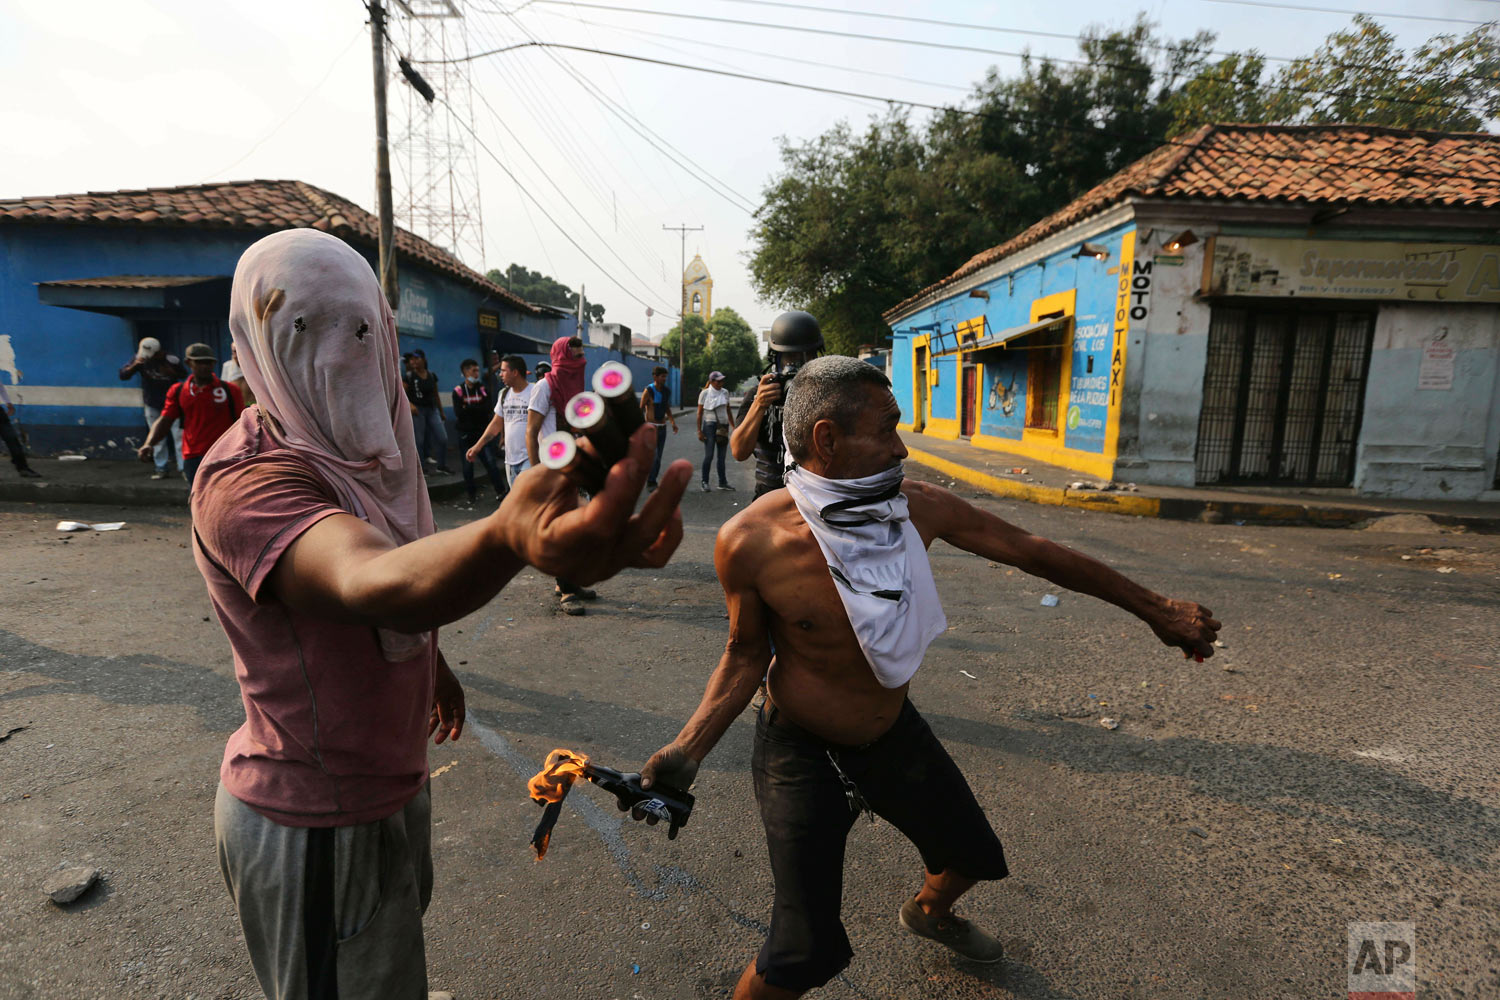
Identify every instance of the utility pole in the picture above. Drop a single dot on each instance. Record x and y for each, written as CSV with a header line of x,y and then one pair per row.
x,y
580,312
387,252
684,229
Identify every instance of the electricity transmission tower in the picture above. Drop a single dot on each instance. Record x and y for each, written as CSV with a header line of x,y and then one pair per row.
x,y
436,164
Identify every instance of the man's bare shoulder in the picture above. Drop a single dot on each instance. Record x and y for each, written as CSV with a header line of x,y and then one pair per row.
x,y
931,507
746,532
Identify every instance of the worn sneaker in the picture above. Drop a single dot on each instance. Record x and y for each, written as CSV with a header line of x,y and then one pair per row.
x,y
726,486
159,474
30,473
953,932
703,486
571,605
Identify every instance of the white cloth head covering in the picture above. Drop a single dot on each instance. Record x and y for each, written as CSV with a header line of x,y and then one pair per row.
x,y
879,566
147,348
317,343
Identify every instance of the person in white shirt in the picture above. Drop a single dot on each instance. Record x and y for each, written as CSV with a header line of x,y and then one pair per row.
x,y
511,411
714,424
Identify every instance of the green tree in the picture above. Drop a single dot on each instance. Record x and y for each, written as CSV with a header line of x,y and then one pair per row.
x,y
533,286
695,366
859,219
732,347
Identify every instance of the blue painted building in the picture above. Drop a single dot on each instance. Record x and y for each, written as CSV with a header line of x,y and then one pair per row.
x,y
1292,306
84,277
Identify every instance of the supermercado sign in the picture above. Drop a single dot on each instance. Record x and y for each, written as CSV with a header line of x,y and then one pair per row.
x,y
1350,269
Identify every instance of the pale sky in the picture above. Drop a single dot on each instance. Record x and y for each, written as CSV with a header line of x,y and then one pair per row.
x,y
103,95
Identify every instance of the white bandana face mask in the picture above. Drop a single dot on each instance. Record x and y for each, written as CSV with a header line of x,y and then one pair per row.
x,y
879,566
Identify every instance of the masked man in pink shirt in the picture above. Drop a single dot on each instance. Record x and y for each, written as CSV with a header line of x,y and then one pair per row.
x,y
313,532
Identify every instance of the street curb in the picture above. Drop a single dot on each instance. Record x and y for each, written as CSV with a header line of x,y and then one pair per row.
x,y
1184,508
126,495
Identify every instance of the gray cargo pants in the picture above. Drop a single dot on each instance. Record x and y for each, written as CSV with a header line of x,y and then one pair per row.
x,y
330,912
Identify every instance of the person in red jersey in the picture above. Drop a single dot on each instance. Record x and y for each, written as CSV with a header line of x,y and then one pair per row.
x,y
207,405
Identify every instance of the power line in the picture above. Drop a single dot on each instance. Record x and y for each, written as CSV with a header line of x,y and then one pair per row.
x,y
311,92
583,218
545,214
578,160
956,47
978,112
677,156
966,26
642,33
1334,10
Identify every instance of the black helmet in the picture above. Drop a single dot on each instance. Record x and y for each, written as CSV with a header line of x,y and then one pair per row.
x,y
796,332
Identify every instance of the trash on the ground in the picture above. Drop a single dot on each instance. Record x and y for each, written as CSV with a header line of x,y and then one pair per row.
x,y
1335,576
1109,723
646,926
1219,643
635,969
1445,569
68,884
72,526
72,458
11,732
1049,601
968,675
1018,471
1079,485
1406,558
1095,697
444,769
86,526
1150,706
1131,487
1198,831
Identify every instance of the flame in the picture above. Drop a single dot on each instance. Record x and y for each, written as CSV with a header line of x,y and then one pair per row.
x,y
548,787
551,783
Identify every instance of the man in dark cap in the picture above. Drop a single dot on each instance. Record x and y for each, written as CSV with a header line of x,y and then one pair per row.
x,y
207,405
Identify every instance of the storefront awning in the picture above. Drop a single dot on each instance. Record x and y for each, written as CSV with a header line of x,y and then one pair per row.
x,y
950,343
134,294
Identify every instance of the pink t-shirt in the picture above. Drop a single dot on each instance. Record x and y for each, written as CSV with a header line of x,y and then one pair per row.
x,y
334,734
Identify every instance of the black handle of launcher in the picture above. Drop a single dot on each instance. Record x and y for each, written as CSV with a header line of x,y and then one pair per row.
x,y
662,801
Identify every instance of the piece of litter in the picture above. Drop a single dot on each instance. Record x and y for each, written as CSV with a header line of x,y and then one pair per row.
x,y
968,675
1407,558
635,970
1334,840
1050,600
1109,723
646,926
11,732
1335,576
71,458
446,767
1445,569
1198,831
72,526
1149,705
85,526
1219,643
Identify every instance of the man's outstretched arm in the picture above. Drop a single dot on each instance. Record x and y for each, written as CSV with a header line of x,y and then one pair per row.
x,y
734,682
1187,625
345,570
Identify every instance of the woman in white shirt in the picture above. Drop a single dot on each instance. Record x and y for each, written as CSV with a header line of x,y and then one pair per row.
x,y
714,424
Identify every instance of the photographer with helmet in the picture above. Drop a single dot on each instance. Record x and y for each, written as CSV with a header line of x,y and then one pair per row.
x,y
795,340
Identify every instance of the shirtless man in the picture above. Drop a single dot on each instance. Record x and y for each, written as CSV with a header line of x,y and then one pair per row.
x,y
850,607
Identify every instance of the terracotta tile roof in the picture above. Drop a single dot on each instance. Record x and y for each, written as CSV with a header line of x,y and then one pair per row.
x,y
262,206
1286,164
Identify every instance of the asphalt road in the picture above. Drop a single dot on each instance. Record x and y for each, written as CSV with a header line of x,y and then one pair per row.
x,y
1336,762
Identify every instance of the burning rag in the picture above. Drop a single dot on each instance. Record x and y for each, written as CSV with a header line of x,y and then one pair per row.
x,y
566,376
317,342
879,566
